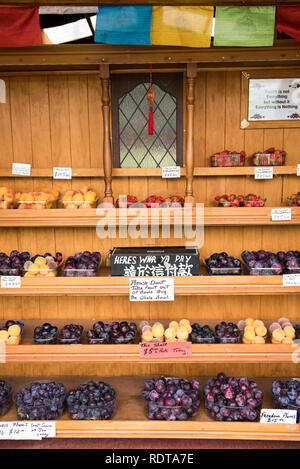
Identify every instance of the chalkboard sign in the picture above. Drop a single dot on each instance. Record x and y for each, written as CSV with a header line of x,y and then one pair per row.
x,y
168,261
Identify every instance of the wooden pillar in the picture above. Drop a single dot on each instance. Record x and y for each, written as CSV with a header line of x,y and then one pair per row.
x,y
107,150
191,73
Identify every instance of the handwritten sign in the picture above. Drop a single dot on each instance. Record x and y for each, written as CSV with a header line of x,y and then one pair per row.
x,y
62,173
263,172
27,430
170,172
291,280
151,289
274,99
281,214
165,349
10,281
21,169
283,416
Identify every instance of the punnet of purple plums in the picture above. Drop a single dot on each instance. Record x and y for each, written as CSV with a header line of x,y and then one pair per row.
x,y
227,333
223,264
5,397
11,322
82,264
232,399
286,395
70,334
40,401
91,401
116,333
171,398
268,263
13,263
202,335
45,334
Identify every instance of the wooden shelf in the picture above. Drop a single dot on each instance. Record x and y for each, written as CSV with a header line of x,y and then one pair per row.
x,y
213,216
119,286
130,419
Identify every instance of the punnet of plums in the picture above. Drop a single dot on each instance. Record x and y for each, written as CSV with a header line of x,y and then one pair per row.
x,y
171,398
5,397
202,334
82,264
223,264
227,333
268,263
40,401
286,395
13,263
70,334
45,334
91,401
232,399
100,334
123,332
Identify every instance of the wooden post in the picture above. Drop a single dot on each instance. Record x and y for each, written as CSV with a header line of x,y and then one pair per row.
x,y
191,73
107,151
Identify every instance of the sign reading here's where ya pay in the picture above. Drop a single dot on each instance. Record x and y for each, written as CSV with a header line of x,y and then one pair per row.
x,y
272,99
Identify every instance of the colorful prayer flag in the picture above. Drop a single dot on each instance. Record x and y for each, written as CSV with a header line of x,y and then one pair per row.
x,y
288,21
19,26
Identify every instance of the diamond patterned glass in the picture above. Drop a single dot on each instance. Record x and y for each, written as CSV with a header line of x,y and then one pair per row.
x,y
137,148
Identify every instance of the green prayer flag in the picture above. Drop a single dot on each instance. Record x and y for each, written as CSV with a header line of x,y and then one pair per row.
x,y
244,26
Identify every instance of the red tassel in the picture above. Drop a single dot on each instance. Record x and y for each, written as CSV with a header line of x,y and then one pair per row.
x,y
150,122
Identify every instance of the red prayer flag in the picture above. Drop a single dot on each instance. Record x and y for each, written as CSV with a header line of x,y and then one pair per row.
x,y
288,21
19,26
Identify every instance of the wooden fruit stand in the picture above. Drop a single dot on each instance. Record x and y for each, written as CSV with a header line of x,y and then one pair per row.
x,y
58,114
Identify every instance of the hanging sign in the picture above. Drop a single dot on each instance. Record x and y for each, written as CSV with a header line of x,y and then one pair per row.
x,y
10,281
165,349
21,169
170,172
27,430
151,289
62,173
283,416
263,172
281,214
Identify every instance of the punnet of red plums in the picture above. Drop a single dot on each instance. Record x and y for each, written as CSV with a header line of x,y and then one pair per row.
x,y
223,264
286,395
171,398
82,264
232,399
70,334
91,401
5,397
268,263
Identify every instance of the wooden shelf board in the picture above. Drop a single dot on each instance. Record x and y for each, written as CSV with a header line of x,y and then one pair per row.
x,y
213,216
203,171
119,286
130,420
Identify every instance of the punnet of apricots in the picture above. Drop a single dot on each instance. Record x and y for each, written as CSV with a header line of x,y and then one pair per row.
x,y
7,198
175,332
37,200
282,332
81,198
254,331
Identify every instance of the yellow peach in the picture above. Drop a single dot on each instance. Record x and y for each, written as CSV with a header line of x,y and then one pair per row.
x,y
14,330
278,334
259,340
247,341
287,340
173,324
249,321
147,336
33,268
85,189
78,196
13,340
170,333
289,332
257,322
182,332
4,335
260,331
40,261
90,196
158,329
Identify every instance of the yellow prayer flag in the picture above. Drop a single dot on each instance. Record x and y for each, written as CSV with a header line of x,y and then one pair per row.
x,y
182,26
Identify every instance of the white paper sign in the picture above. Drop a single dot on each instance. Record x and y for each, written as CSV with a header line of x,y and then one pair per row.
x,y
274,99
62,173
298,169
170,172
263,172
27,430
151,289
291,280
285,416
281,214
10,281
21,169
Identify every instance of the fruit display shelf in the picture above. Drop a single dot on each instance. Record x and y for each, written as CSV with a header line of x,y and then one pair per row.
x,y
213,216
195,285
130,419
28,352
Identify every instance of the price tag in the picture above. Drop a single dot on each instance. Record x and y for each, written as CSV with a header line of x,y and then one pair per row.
x,y
21,169
27,430
10,281
298,169
291,280
170,172
283,416
264,172
62,173
165,349
151,289
281,214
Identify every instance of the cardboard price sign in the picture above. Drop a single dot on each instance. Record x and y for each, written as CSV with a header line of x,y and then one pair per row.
x,y
165,349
